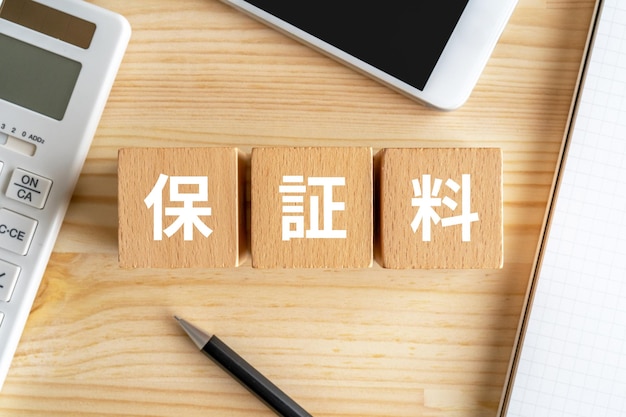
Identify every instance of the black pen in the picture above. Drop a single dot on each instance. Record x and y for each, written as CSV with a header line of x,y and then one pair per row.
x,y
243,372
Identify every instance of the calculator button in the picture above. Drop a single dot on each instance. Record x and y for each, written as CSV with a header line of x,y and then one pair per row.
x,y
16,231
29,188
8,278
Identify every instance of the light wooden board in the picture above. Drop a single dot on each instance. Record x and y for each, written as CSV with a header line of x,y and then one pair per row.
x,y
101,341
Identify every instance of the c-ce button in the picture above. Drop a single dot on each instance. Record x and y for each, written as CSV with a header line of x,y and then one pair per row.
x,y
16,231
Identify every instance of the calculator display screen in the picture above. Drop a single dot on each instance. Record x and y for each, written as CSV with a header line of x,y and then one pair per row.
x,y
35,78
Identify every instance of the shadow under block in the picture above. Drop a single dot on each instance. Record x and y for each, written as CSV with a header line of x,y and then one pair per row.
x,y
440,208
181,207
311,207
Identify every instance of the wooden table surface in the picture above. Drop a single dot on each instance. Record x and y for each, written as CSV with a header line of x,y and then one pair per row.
x,y
101,340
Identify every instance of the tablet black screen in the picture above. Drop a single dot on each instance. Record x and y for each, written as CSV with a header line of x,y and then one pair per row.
x,y
404,38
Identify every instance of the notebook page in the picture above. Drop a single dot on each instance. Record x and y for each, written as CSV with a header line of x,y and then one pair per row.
x,y
573,358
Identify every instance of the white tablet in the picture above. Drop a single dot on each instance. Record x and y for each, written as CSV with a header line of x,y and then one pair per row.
x,y
433,51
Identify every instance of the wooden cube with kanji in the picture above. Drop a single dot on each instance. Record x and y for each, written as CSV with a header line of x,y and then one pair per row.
x,y
312,207
440,208
181,207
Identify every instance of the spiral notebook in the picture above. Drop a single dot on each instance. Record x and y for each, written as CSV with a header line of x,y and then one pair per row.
x,y
570,358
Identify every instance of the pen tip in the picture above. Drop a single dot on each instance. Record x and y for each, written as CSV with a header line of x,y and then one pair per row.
x,y
197,336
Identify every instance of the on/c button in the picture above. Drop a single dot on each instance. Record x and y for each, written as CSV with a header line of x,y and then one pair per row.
x,y
16,231
29,188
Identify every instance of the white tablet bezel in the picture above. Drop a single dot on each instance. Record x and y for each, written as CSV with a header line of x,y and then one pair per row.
x,y
458,69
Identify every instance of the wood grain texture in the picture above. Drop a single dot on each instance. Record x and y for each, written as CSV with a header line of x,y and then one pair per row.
x,y
101,341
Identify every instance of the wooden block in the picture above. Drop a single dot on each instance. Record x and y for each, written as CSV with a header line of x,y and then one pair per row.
x,y
181,207
440,208
311,207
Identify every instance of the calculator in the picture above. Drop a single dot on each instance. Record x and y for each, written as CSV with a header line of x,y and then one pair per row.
x,y
58,61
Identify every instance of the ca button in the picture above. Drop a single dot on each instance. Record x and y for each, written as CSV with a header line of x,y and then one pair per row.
x,y
29,188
